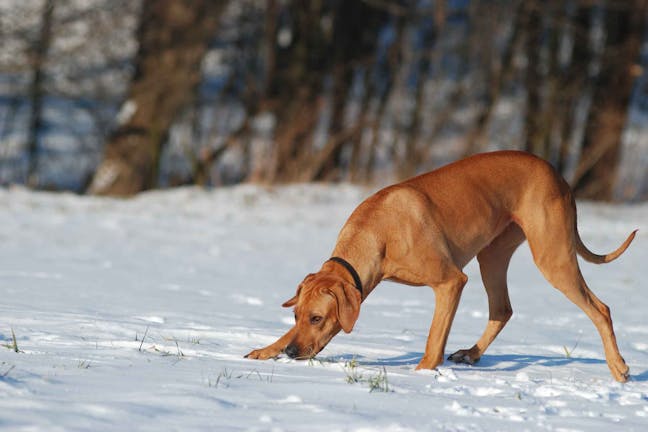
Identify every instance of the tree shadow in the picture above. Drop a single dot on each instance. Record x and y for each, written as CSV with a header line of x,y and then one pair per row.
x,y
408,359
9,380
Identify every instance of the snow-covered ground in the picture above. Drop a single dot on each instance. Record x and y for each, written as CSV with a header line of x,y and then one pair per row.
x,y
136,314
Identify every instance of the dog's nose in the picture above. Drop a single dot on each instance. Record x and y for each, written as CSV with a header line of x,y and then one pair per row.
x,y
292,351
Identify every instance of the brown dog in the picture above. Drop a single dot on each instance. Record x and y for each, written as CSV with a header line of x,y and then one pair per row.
x,y
423,231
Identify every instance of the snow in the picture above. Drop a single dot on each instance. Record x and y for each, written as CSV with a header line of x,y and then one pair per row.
x,y
135,315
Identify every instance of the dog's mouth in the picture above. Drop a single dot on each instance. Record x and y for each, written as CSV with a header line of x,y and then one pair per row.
x,y
305,353
294,351
298,354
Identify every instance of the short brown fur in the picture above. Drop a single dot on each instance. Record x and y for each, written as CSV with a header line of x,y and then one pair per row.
x,y
423,231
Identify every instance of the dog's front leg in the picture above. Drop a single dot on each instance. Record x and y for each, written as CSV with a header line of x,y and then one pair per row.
x,y
447,297
274,349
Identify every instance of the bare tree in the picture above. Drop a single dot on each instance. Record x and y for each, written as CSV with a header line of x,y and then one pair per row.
x,y
173,37
297,90
625,24
572,84
499,71
36,88
353,47
533,117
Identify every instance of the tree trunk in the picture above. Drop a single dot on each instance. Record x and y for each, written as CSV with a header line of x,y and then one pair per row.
x,y
597,169
389,67
429,55
320,40
355,36
533,117
497,77
173,37
36,90
573,84
300,62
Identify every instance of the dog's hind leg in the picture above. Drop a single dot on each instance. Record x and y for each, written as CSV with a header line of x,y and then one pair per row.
x,y
493,263
552,245
572,284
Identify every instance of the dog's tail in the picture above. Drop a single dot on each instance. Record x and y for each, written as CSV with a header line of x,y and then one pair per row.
x,y
590,256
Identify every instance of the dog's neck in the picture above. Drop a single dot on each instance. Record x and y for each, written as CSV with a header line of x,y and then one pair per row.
x,y
354,274
362,258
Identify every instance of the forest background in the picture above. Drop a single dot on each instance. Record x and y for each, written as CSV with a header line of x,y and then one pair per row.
x,y
113,97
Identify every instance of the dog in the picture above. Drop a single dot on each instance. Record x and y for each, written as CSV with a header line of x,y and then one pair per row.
x,y
424,230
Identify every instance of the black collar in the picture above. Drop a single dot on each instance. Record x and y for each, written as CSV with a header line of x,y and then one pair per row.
x,y
351,270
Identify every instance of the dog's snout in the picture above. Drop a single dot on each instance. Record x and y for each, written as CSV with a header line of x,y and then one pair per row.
x,y
292,351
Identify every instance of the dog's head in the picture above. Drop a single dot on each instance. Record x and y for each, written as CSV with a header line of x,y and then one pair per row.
x,y
324,305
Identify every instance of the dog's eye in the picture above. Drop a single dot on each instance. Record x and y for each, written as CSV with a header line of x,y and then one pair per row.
x,y
295,317
316,319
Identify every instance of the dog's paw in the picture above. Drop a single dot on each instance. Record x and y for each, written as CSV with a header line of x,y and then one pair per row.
x,y
262,354
429,363
621,373
625,376
464,356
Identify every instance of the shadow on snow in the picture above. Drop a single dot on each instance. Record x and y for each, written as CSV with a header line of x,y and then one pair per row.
x,y
496,362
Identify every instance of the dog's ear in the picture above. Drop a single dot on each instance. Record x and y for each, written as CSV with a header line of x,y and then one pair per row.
x,y
348,305
293,301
